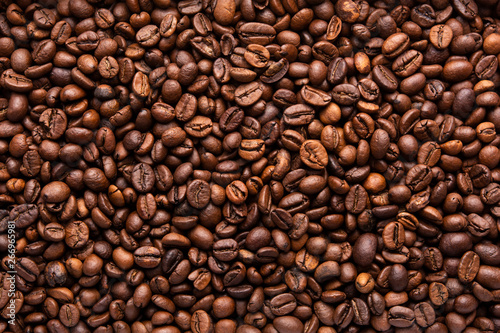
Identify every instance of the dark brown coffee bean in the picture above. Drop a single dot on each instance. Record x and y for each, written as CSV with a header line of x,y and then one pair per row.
x,y
143,177
201,322
361,311
379,143
467,9
395,44
440,36
418,177
364,249
486,67
225,250
283,304
477,225
314,96
457,70
77,234
251,150
400,316
343,315
288,324
198,193
16,82
407,63
384,78
346,94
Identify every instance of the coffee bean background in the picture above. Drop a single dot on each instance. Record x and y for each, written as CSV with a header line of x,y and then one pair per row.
x,y
241,166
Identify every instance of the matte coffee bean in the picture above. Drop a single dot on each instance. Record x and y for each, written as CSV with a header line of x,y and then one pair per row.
x,y
364,249
400,316
356,199
298,115
438,293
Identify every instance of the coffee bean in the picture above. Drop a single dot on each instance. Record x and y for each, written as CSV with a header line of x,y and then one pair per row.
x,y
334,28
275,71
438,293
298,115
288,324
395,44
314,96
466,9
77,234
384,78
355,201
147,257
257,33
69,315
313,154
393,235
257,55
248,94
198,193
283,304
346,94
201,322
251,150
343,315
327,167
364,249
143,177
400,316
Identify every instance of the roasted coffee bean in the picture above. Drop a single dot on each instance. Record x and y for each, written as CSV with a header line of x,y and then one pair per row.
x,y
201,322
393,235
298,115
304,166
355,201
248,94
419,177
400,316
346,94
364,249
438,293
337,70
466,9
275,71
198,193
69,315
147,257
313,154
384,78
257,55
468,267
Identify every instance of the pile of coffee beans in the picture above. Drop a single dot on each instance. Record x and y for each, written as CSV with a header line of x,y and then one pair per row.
x,y
275,166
